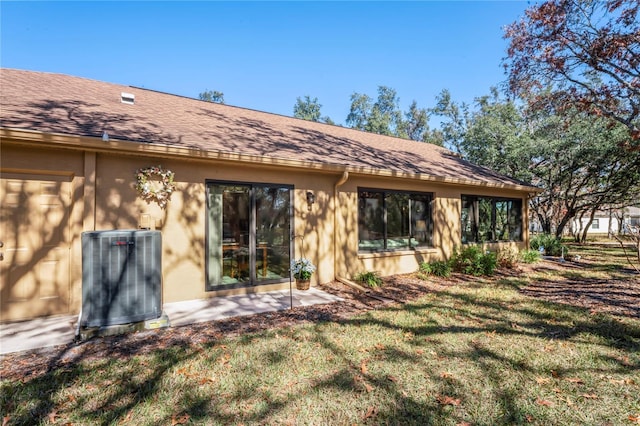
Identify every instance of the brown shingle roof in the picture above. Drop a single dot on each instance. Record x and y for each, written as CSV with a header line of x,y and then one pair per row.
x,y
55,103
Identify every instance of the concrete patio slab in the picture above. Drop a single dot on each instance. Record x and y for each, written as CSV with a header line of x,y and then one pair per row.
x,y
45,332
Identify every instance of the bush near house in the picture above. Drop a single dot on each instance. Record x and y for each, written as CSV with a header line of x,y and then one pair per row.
x,y
552,245
508,257
530,256
369,278
473,260
439,268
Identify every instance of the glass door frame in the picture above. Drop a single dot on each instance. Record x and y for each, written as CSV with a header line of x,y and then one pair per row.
x,y
253,281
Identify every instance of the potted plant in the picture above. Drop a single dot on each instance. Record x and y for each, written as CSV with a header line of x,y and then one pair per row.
x,y
302,270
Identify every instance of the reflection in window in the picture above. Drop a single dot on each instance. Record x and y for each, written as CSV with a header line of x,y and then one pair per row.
x,y
490,219
392,220
248,234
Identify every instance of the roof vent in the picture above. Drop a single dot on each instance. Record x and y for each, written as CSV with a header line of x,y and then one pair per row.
x,y
127,98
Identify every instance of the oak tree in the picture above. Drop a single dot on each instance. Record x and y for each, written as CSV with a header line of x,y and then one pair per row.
x,y
580,53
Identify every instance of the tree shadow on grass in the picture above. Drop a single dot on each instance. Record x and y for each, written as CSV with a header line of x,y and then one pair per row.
x,y
386,401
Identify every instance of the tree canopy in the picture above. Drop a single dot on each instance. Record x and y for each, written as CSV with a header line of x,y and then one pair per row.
x,y
383,116
580,53
309,109
574,158
212,96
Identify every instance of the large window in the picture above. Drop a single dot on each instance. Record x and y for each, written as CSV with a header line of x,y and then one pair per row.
x,y
393,220
248,234
491,219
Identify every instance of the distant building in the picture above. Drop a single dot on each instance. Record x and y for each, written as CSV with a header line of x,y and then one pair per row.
x,y
615,221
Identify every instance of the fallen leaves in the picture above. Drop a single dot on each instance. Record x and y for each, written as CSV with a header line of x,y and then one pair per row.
x,y
446,375
179,419
544,402
634,419
623,382
589,396
448,400
371,411
625,361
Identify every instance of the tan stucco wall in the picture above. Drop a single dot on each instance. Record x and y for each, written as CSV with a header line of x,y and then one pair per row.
x,y
446,218
104,198
19,162
182,222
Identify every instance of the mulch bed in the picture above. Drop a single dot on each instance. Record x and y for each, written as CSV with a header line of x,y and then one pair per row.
x,y
620,297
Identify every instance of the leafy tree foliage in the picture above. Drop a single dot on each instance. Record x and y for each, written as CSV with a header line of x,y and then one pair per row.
x,y
212,96
454,126
573,157
416,125
309,109
587,52
383,116
582,169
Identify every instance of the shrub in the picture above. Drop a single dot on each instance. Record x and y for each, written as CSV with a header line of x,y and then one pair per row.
x,y
552,245
508,257
489,263
530,256
370,278
471,260
425,268
439,268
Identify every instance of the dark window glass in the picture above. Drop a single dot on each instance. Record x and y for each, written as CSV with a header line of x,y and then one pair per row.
x,y
248,234
486,219
393,220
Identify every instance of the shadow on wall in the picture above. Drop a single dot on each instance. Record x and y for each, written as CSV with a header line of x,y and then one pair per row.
x,y
36,235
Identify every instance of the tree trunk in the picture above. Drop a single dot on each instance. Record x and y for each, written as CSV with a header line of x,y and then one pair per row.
x,y
545,223
583,239
563,223
578,232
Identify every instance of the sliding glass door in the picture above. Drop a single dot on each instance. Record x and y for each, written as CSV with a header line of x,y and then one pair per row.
x,y
248,234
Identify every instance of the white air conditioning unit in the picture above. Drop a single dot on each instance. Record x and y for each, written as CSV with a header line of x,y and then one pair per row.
x,y
121,277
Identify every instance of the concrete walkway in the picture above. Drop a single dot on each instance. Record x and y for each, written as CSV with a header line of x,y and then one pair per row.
x,y
45,332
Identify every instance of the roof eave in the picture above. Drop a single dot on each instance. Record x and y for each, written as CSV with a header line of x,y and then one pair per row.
x,y
95,144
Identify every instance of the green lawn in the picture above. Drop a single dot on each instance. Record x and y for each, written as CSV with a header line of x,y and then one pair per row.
x,y
477,353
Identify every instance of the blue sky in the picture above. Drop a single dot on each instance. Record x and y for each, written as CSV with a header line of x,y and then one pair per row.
x,y
263,55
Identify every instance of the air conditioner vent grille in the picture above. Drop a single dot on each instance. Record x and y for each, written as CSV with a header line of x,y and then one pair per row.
x,y
121,277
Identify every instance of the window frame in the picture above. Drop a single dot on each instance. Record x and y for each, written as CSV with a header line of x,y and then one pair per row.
x,y
251,185
477,224
427,197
